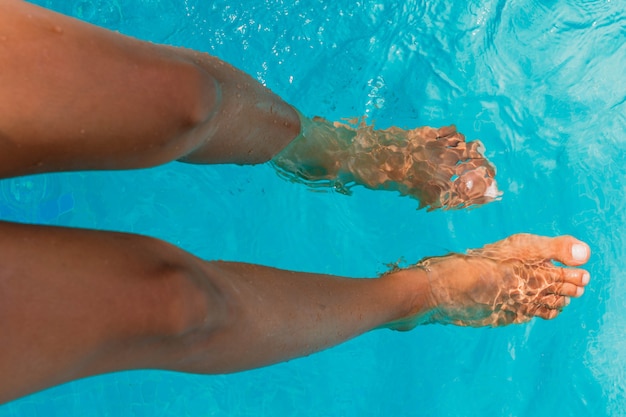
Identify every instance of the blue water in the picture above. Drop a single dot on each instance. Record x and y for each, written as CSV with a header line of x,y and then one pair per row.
x,y
540,83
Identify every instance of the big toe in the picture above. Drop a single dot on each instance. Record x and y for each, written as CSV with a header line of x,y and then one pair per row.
x,y
565,249
533,248
476,187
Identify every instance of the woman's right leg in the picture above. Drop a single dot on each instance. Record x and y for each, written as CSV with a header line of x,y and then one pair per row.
x,y
74,96
107,101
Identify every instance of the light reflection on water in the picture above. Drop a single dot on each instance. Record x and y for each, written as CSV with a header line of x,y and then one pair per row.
x,y
540,83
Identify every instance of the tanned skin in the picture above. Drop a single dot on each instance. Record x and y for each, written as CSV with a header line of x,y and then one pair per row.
x,y
75,303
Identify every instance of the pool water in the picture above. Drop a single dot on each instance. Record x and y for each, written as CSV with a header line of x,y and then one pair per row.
x,y
540,83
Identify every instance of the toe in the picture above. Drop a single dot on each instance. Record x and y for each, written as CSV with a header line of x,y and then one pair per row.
x,y
532,248
579,277
578,253
546,313
567,289
558,303
475,149
552,302
567,282
566,249
447,131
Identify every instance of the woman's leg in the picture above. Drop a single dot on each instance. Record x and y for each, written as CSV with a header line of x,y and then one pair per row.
x,y
75,97
75,303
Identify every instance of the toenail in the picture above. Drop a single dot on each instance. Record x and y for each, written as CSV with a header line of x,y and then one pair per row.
x,y
579,252
492,190
567,301
580,291
586,278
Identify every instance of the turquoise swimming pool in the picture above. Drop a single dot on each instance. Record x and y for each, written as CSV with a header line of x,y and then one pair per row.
x,y
540,83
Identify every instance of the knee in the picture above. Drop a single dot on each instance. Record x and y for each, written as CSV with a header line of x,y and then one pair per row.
x,y
176,295
188,301
185,98
198,96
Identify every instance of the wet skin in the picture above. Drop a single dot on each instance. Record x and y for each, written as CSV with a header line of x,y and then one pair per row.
x,y
435,166
75,303
508,282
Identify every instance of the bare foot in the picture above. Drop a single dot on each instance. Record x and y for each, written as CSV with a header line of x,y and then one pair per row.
x,y
435,166
507,282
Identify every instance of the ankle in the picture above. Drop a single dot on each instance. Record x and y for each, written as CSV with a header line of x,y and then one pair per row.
x,y
416,304
318,155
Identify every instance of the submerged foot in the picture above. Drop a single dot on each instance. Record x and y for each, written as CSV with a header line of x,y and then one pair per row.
x,y
507,282
435,166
